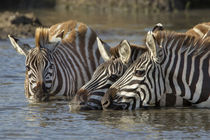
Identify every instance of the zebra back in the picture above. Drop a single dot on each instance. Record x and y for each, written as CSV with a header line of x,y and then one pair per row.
x,y
200,30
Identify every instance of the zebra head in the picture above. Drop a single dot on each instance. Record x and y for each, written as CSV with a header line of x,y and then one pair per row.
x,y
132,89
40,68
117,59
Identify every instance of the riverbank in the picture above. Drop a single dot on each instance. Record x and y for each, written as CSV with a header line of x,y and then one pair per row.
x,y
107,5
18,24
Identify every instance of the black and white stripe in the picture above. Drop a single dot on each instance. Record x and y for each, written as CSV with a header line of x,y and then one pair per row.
x,y
89,96
175,63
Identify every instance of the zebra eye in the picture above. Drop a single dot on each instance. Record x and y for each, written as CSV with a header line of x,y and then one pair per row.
x,y
139,73
27,68
113,77
51,66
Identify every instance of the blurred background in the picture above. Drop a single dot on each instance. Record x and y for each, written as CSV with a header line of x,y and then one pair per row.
x,y
104,16
103,5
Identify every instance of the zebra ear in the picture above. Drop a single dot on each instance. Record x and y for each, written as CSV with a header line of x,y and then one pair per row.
x,y
158,27
125,51
20,47
57,38
150,43
104,50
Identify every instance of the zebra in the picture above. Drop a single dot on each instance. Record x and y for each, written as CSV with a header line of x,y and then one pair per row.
x,y
117,60
89,96
201,30
63,59
174,63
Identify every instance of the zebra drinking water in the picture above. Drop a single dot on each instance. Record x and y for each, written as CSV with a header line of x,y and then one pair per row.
x,y
89,96
175,63
117,59
64,58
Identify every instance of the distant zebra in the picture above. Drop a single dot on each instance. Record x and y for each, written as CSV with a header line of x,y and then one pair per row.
x,y
64,58
175,63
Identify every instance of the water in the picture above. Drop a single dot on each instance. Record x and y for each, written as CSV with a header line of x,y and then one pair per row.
x,y
22,120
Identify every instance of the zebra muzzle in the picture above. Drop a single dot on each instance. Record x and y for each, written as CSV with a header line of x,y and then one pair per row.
x,y
40,92
107,98
79,100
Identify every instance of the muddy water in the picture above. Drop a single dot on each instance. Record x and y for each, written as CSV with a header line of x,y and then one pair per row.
x,y
22,120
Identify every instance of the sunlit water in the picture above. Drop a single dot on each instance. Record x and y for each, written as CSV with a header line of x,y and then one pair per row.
x,y
22,120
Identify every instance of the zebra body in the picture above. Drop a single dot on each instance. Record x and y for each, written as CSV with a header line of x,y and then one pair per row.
x,y
174,63
63,59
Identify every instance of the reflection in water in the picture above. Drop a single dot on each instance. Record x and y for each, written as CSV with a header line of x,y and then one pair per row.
x,y
46,114
158,122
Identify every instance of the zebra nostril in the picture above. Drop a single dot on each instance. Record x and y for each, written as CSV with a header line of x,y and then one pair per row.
x,y
106,103
108,98
82,103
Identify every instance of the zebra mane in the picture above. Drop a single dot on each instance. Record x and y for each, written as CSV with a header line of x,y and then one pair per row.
x,y
185,41
41,37
114,51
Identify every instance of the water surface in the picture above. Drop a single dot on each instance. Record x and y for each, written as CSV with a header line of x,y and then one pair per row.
x,y
22,120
